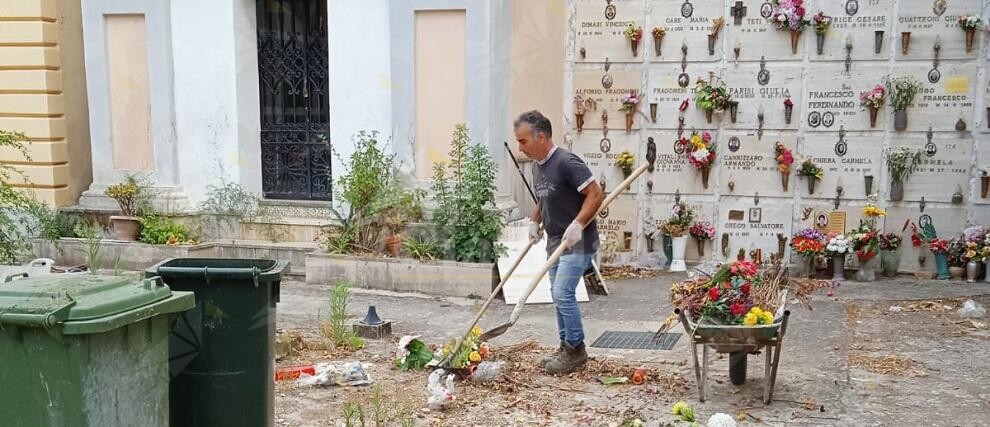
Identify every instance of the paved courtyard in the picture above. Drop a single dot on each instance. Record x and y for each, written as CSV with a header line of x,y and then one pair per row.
x,y
888,353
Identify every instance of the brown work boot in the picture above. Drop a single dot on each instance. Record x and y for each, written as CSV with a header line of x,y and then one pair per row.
x,y
568,361
545,360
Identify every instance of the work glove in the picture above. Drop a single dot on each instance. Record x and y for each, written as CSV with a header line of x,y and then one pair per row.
x,y
535,232
572,234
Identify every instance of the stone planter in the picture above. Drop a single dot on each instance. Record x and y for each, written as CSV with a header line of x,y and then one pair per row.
x,y
125,227
957,272
679,246
890,262
867,270
447,278
839,268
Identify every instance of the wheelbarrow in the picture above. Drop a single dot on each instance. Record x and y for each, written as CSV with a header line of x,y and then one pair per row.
x,y
739,341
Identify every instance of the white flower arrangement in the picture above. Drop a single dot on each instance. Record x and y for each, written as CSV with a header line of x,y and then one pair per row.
x,y
838,245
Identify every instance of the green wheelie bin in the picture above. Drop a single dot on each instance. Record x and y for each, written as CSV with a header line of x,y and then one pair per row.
x,y
222,353
86,350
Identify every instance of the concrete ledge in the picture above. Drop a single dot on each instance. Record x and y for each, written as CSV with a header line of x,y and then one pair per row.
x,y
446,278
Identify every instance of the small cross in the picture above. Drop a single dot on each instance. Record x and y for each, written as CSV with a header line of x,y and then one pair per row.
x,y
738,12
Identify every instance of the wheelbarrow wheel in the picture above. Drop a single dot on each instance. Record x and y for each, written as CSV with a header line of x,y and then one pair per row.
x,y
737,367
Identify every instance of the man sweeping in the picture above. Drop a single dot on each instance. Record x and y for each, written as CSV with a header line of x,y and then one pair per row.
x,y
568,198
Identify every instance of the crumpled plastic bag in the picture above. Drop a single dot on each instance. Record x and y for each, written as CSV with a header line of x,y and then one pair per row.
x,y
971,310
709,268
439,390
487,371
328,374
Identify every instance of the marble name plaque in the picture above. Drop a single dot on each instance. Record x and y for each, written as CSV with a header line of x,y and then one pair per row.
x,y
600,26
944,100
669,86
850,160
747,165
928,20
674,172
943,171
832,99
865,23
600,153
757,38
750,226
765,85
619,223
608,88
687,23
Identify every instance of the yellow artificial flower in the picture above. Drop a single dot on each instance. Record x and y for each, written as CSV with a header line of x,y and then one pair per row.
x,y
970,253
872,210
476,331
474,357
766,318
971,245
751,319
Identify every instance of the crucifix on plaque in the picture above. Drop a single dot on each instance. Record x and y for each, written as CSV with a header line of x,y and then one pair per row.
x,y
738,11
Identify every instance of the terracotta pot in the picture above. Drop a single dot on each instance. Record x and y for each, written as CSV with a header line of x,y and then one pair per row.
x,y
785,177
795,36
657,41
393,244
704,177
970,37
873,116
629,121
708,115
635,47
125,227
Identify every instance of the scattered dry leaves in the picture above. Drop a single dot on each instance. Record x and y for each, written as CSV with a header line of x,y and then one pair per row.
x,y
628,271
887,365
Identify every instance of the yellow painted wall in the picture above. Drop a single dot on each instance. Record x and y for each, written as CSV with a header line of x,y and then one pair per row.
x,y
440,84
40,43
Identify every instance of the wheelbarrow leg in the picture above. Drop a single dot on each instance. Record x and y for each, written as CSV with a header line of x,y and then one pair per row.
x,y
773,373
697,371
704,372
766,374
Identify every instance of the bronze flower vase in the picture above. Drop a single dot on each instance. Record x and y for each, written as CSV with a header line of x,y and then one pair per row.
x,y
984,186
868,182
795,36
579,121
733,110
629,120
701,247
635,47
657,42
788,112
653,112
704,176
708,115
785,178
900,120
970,37
711,44
905,42
873,116
811,185
896,191
820,40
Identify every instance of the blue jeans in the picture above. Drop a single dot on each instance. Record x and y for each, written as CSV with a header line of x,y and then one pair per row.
x,y
564,277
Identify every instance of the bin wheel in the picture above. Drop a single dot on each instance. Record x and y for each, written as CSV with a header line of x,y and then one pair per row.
x,y
737,367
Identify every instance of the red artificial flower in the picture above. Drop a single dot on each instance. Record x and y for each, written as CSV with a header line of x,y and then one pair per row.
x,y
788,102
865,255
684,105
745,288
713,294
737,309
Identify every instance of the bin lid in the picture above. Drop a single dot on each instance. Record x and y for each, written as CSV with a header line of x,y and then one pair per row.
x,y
49,300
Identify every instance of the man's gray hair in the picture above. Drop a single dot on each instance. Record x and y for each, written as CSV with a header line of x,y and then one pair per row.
x,y
537,122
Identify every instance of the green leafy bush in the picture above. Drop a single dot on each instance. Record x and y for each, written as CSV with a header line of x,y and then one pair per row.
x,y
159,230
14,205
466,216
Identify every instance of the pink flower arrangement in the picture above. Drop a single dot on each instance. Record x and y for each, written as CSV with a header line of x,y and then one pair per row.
x,y
822,22
939,246
784,156
874,98
702,231
788,15
700,149
630,101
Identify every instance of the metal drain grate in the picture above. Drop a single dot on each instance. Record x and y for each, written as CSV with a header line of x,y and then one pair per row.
x,y
637,340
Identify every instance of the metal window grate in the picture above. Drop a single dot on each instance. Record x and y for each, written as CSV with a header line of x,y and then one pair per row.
x,y
636,340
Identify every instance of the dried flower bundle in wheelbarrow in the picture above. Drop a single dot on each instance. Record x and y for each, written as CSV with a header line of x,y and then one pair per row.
x,y
738,294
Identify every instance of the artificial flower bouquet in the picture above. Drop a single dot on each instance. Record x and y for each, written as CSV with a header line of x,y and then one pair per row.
x,y
789,15
890,241
808,242
681,216
700,149
702,231
865,242
838,246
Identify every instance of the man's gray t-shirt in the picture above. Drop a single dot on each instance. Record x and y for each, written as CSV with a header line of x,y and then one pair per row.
x,y
558,182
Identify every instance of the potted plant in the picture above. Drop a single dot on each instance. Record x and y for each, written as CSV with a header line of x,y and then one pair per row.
x,y
711,96
788,110
890,254
975,238
634,34
625,161
788,15
581,106
676,226
836,250
702,231
400,206
970,24
127,194
901,163
812,172
940,248
784,159
822,23
701,153
873,99
629,103
658,32
902,92
807,244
